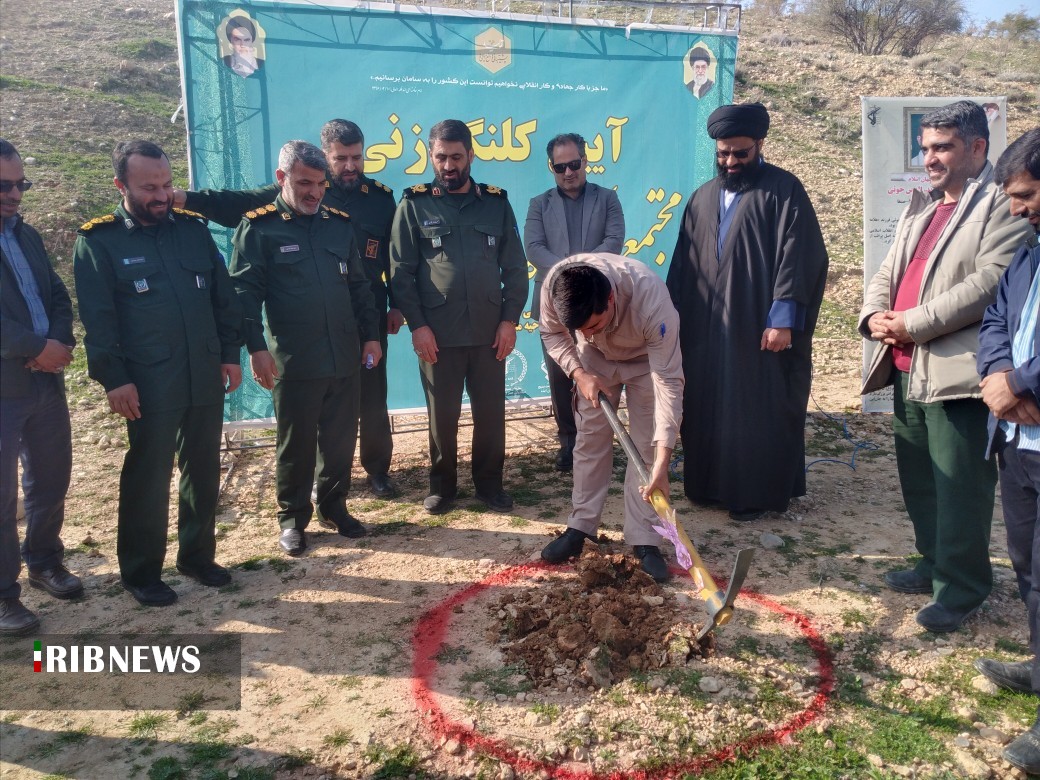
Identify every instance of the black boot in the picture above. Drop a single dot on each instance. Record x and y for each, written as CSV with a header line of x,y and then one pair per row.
x,y
1024,752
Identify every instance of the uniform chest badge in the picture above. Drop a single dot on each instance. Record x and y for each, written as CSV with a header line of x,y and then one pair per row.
x,y
343,269
132,260
372,249
437,242
289,248
141,285
491,240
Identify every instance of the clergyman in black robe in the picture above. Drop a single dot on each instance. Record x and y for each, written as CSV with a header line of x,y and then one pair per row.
x,y
747,278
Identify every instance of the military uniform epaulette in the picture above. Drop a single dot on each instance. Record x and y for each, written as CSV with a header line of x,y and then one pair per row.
x,y
270,208
418,189
104,219
186,213
491,189
337,212
383,187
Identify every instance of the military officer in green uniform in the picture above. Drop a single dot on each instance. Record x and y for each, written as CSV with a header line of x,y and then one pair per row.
x,y
163,335
459,274
298,259
371,207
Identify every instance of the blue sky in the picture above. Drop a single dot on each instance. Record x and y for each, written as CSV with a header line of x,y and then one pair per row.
x,y
985,10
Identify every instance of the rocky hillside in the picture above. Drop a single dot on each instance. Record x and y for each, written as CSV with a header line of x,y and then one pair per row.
x,y
79,75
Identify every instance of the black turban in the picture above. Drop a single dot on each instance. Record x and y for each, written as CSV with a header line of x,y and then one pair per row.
x,y
699,54
750,120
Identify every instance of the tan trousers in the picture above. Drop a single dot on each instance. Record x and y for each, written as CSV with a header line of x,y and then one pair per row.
x,y
594,450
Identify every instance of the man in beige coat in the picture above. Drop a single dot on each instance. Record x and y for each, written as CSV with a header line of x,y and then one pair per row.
x,y
924,308
625,338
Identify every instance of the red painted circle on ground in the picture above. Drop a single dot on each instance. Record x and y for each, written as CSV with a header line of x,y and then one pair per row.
x,y
429,635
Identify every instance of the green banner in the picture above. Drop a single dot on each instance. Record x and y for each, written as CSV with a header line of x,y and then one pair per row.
x,y
259,74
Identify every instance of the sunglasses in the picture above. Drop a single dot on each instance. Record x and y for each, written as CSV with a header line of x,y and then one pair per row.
x,y
6,185
574,165
737,154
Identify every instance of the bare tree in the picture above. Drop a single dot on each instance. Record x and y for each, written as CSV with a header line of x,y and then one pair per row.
x,y
890,26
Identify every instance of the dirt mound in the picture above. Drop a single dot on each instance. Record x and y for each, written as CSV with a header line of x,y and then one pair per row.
x,y
597,628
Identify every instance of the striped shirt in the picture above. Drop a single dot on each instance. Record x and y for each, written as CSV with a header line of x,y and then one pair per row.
x,y
24,275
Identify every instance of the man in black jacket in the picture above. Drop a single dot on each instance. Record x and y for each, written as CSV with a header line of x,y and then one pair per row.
x,y
35,346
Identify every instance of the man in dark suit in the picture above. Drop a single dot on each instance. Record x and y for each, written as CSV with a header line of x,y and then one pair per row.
x,y
572,217
35,346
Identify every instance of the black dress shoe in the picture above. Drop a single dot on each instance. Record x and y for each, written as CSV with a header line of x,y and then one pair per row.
x,y
567,545
500,502
1014,677
938,619
211,575
293,541
15,619
565,459
158,594
438,505
908,581
652,562
1024,752
380,486
59,582
350,526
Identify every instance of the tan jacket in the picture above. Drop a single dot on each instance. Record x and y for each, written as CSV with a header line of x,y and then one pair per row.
x,y
959,282
643,337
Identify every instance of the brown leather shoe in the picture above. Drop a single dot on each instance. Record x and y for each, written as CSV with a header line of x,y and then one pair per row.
x,y
15,619
58,581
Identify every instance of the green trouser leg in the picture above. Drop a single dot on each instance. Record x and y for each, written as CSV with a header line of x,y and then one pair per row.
x,y
317,428
375,435
948,488
193,434
484,378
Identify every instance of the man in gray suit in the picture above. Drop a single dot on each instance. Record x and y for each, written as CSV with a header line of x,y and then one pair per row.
x,y
572,217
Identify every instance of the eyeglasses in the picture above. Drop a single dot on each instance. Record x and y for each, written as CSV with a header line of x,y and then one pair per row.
x,y
6,185
737,154
574,165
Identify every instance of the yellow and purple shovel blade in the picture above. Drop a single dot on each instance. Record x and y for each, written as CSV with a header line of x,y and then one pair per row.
x,y
719,604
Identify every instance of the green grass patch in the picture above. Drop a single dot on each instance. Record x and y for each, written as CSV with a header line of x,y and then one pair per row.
x,y
190,702
388,528
167,768
147,725
836,322
551,711
146,49
338,738
294,759
1010,646
809,759
901,740
208,753
855,617
864,656
394,762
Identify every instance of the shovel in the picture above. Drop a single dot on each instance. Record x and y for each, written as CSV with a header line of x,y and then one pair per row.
x,y
719,604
